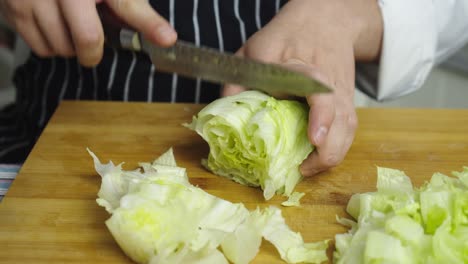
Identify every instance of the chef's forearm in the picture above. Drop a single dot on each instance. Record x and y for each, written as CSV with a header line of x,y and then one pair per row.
x,y
369,23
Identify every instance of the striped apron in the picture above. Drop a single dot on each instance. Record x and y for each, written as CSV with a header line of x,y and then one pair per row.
x,y
127,76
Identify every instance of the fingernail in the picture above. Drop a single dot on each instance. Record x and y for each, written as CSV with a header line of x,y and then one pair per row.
x,y
320,135
166,33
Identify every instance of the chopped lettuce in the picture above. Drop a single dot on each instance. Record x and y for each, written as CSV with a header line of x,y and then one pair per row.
x,y
255,140
400,224
157,216
294,199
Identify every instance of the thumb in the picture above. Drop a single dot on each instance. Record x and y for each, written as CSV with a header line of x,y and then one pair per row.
x,y
322,106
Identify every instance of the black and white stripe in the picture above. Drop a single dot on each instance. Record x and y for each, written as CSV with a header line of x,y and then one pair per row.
x,y
219,32
127,76
196,32
80,81
151,84
174,76
110,82
50,75
241,22
63,90
258,21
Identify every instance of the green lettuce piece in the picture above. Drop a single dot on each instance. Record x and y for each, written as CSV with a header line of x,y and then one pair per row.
x,y
294,199
401,224
405,229
384,248
255,140
289,244
157,216
450,244
391,181
462,175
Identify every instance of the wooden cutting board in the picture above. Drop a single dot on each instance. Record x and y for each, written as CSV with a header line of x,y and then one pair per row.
x,y
50,214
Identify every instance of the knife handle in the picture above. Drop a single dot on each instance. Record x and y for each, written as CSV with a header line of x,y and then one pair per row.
x,y
116,32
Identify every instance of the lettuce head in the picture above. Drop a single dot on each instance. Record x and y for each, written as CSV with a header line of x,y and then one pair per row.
x,y
255,140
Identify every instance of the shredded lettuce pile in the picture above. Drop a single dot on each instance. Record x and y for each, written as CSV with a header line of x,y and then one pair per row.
x,y
255,140
157,216
400,224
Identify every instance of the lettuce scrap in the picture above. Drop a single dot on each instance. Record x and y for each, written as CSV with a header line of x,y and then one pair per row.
x,y
401,224
255,140
157,216
294,199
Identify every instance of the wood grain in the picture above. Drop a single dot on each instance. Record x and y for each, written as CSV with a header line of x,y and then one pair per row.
x,y
50,215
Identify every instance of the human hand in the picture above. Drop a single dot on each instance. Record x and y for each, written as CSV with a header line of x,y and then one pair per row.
x,y
322,38
73,28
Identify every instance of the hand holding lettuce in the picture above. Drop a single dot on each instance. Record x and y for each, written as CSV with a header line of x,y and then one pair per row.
x,y
255,140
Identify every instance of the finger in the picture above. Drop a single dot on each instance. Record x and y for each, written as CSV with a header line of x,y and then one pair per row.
x,y
321,116
232,89
322,106
333,149
86,30
142,17
32,35
53,27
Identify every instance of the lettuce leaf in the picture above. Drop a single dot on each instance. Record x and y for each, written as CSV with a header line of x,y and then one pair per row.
x,y
401,224
157,216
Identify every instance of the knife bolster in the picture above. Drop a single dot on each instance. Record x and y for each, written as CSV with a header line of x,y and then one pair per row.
x,y
129,39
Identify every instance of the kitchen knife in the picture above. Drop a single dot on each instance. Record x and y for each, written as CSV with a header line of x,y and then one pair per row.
x,y
209,64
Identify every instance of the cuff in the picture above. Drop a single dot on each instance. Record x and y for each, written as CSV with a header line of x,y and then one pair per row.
x,y
408,50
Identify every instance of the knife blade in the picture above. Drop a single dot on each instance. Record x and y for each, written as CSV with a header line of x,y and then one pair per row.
x,y
210,64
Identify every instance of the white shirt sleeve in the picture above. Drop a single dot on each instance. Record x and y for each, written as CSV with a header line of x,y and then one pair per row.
x,y
418,34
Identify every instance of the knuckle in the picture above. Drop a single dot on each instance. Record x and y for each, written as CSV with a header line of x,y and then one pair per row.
x,y
88,40
331,160
348,117
263,50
